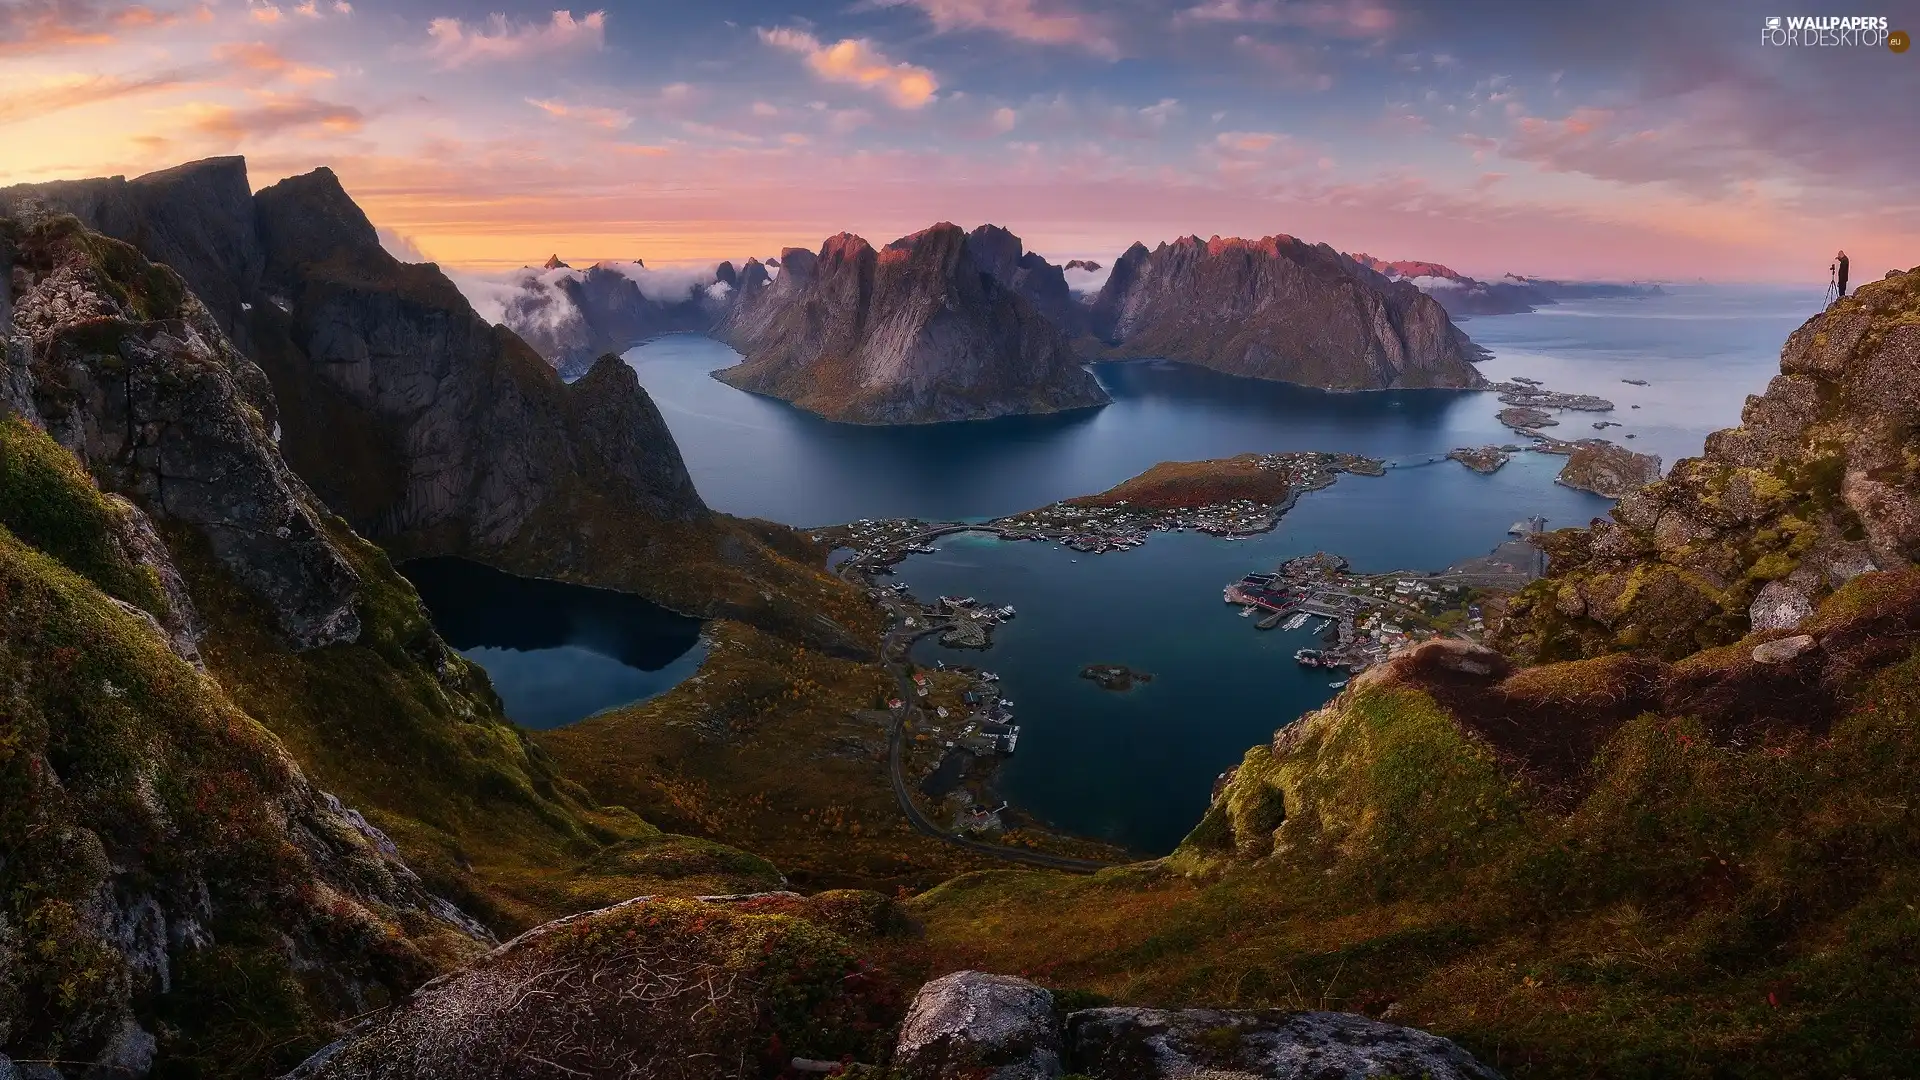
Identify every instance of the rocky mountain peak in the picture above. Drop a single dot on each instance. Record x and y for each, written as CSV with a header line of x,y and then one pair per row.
x,y
910,334
1278,308
310,219
553,263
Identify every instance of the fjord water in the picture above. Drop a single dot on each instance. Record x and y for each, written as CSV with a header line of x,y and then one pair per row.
x,y
556,653
1701,349
1136,767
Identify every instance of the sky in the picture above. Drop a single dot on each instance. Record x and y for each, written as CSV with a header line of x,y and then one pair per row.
x,y
1631,139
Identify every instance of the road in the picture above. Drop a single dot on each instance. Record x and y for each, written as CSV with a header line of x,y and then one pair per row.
x,y
896,643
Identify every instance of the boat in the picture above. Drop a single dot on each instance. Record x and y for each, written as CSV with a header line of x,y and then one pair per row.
x,y
989,676
1296,622
1007,612
1247,612
1337,685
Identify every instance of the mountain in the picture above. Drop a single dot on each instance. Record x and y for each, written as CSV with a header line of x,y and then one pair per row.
x,y
571,317
1463,296
923,331
1278,308
1002,254
433,432
245,781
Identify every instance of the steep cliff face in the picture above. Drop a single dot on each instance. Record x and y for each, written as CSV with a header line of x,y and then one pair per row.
x,y
196,218
174,891
1816,486
918,333
1278,308
131,374
1002,254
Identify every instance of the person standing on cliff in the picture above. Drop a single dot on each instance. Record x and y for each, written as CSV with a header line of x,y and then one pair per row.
x,y
1840,271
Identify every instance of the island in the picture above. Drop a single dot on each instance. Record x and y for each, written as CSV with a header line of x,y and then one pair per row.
x,y
1481,459
1525,420
1116,677
1606,469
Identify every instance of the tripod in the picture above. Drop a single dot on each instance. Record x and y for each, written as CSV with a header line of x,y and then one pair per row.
x,y
1833,284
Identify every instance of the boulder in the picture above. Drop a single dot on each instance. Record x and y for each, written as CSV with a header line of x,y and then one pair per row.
x,y
1155,1044
975,1025
1779,606
1783,650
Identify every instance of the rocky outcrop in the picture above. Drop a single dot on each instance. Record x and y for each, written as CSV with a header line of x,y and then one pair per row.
x,y
167,864
920,332
1813,488
971,1024
1157,1044
1606,469
721,987
1278,308
196,218
132,375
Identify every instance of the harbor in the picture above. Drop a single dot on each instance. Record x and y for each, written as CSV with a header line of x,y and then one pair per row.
x,y
1364,619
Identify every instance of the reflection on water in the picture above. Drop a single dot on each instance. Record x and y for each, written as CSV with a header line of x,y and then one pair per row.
x,y
1701,350
556,653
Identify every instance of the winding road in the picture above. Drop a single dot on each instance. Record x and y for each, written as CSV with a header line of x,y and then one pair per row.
x,y
893,656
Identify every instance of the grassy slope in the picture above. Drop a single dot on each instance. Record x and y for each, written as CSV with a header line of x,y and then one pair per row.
x,y
1182,485
117,758
763,750
1712,901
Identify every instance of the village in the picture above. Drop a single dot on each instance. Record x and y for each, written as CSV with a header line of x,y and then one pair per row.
x,y
1364,619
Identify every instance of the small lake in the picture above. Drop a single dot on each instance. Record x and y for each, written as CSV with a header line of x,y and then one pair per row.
x,y
557,653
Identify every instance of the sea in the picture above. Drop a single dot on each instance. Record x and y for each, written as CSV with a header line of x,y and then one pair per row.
x,y
1136,767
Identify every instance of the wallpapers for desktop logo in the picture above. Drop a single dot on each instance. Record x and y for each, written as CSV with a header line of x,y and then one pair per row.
x,y
1870,31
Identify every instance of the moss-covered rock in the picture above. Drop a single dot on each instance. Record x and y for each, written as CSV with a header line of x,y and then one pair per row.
x,y
728,987
1818,484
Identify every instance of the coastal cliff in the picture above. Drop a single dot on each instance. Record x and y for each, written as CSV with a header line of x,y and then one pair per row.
x,y
920,332
1278,308
1814,488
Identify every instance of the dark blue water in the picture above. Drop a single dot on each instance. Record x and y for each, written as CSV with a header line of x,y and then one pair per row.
x,y
1136,767
556,653
1702,350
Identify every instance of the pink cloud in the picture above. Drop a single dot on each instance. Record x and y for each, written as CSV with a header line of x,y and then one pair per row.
x,y
594,115
1334,18
455,44
860,63
1023,20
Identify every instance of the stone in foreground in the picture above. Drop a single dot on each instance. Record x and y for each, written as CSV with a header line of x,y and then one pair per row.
x,y
972,1024
1154,1044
